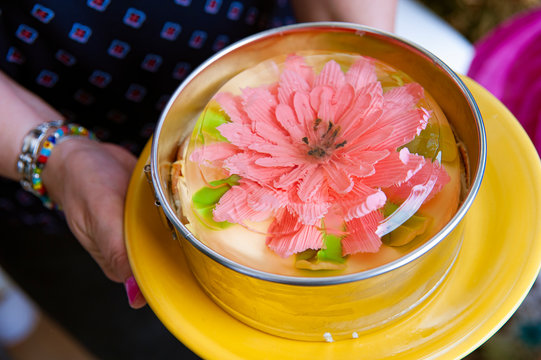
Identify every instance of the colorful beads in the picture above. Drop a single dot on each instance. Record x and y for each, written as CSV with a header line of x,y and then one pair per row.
x,y
45,152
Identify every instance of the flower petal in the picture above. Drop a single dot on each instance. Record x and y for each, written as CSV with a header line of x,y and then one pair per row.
x,y
234,205
260,106
331,75
233,107
304,112
405,126
213,154
360,201
282,154
361,163
370,140
405,96
309,212
292,176
395,169
239,135
262,198
338,179
285,223
398,193
342,101
331,104
361,73
245,164
297,64
310,184
362,234
290,83
364,112
307,237
320,100
288,119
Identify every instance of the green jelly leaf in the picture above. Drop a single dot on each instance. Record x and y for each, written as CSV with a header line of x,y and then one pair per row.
x,y
405,233
208,122
207,216
309,254
206,198
209,196
328,258
398,78
389,208
427,142
332,250
431,140
448,145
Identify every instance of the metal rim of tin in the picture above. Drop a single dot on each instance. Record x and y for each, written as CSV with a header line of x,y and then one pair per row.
x,y
339,279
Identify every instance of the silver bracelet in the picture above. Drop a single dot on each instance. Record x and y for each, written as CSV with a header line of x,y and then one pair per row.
x,y
29,151
36,149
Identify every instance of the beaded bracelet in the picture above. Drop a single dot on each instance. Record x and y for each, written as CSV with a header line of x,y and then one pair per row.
x,y
31,165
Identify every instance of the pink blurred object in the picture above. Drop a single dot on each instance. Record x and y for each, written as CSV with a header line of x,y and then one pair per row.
x,y
507,62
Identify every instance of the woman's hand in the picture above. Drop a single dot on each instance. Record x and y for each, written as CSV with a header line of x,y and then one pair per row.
x,y
89,180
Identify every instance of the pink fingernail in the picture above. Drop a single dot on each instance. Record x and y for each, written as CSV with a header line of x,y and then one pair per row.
x,y
135,297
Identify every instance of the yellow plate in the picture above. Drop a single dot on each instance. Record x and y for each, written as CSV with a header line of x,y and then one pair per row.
x,y
497,265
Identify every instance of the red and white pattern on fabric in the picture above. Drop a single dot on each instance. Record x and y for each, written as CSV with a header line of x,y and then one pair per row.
x,y
181,70
100,78
47,78
136,92
80,33
220,42
118,49
198,39
43,14
65,57
235,10
134,18
26,34
170,31
100,5
213,6
151,62
15,56
183,2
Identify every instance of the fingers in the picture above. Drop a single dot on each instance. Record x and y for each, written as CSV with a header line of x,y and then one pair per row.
x,y
110,251
135,297
90,181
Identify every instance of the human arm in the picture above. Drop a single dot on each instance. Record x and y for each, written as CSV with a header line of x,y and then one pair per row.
x,y
87,178
378,14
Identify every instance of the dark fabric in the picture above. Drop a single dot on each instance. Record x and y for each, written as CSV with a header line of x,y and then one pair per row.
x,y
65,282
109,65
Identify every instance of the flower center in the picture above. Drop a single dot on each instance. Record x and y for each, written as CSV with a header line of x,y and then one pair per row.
x,y
326,140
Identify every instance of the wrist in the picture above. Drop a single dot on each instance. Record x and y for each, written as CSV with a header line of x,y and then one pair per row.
x,y
56,173
20,111
32,144
38,146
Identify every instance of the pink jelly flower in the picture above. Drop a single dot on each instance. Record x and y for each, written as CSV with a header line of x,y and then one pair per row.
x,y
316,153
